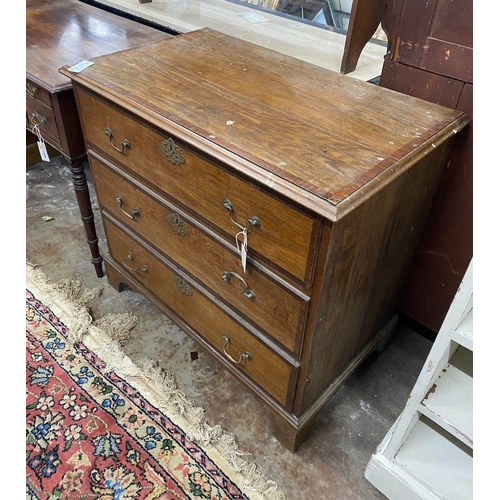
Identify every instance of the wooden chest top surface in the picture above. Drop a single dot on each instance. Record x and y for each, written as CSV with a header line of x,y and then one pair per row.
x,y
323,139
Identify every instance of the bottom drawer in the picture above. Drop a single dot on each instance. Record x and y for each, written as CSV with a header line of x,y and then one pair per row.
x,y
222,331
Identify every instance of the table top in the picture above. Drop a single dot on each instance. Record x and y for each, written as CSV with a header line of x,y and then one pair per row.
x,y
60,32
321,138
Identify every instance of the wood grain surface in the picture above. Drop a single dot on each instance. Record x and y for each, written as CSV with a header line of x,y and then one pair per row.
x,y
294,126
62,32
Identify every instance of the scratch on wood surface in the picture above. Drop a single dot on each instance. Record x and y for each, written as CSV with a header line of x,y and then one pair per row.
x,y
441,254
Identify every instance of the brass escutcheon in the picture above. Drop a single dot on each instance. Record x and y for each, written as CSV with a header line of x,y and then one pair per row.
x,y
182,286
178,224
172,152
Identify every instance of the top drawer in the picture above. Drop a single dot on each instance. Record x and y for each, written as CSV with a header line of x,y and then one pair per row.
x,y
283,236
40,94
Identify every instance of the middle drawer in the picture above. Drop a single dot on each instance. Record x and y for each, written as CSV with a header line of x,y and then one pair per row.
x,y
266,300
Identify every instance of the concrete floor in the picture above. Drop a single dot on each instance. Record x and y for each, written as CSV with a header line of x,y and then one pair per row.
x,y
331,464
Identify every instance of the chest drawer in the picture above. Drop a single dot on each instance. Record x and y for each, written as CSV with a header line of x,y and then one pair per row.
x,y
38,114
284,236
38,93
183,297
268,302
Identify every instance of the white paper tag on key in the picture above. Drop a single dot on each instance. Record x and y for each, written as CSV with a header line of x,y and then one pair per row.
x,y
44,155
242,248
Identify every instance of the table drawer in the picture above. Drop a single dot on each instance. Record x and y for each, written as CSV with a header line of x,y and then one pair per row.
x,y
286,237
184,298
267,301
37,113
38,93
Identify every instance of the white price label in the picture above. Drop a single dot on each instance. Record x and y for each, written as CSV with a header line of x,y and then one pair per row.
x,y
43,151
76,68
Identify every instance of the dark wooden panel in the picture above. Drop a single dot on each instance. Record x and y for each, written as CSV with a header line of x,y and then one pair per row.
x,y
446,247
441,40
411,32
452,22
448,59
422,84
364,19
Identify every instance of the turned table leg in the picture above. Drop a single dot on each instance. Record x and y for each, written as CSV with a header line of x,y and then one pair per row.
x,y
83,198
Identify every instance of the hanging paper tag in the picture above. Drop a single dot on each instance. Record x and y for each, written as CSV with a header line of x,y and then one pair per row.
x,y
242,248
43,151
44,155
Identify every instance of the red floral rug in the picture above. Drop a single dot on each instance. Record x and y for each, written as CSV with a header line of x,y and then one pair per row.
x,y
100,427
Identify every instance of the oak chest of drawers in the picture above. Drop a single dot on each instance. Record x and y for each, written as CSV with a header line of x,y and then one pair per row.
x,y
269,207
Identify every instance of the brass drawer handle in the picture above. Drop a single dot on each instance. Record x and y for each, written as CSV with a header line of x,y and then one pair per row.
x,y
248,293
132,215
178,224
253,221
38,119
244,355
125,142
130,257
182,286
172,152
32,89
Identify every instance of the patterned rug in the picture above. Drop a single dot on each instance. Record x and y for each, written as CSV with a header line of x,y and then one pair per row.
x,y
99,426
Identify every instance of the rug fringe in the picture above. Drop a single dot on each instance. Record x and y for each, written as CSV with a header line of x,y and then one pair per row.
x,y
107,337
118,326
72,295
199,431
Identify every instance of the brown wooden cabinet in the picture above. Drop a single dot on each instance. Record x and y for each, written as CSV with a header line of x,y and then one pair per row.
x,y
60,32
204,140
432,59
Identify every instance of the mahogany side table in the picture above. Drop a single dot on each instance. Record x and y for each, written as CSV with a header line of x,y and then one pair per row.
x,y
59,32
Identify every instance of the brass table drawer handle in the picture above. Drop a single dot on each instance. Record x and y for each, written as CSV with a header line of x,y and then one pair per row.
x,y
132,215
248,293
32,89
244,355
172,152
38,119
253,221
125,142
130,257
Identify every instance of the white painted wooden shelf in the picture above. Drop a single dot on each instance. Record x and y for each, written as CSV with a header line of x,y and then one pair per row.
x,y
450,400
428,452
